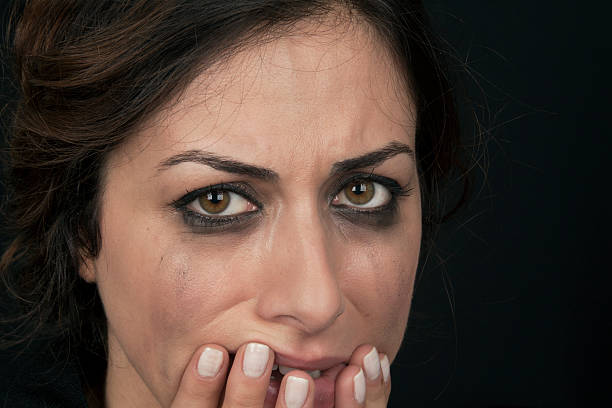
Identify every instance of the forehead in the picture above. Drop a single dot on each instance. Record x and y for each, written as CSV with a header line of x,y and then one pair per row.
x,y
316,93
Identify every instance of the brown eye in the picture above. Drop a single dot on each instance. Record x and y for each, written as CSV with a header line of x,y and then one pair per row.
x,y
363,194
214,201
360,192
221,202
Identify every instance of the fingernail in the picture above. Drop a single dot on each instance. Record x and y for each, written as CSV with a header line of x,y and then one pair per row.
x,y
372,364
384,366
210,362
296,391
255,359
359,387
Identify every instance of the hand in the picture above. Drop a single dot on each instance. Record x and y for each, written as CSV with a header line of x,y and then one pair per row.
x,y
364,382
369,368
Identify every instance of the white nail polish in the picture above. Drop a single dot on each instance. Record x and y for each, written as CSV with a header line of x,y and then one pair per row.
x,y
296,391
371,363
255,359
359,387
386,370
210,362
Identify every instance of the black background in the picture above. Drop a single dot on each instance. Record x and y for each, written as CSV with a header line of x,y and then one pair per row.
x,y
511,311
527,325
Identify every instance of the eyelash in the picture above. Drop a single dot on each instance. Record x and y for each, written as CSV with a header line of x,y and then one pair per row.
x,y
379,215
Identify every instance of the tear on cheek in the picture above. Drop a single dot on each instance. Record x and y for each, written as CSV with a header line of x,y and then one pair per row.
x,y
170,296
190,292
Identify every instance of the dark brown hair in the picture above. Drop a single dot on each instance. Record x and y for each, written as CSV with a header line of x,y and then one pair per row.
x,y
90,72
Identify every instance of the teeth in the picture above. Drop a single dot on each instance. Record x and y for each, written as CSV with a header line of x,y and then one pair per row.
x,y
314,374
284,370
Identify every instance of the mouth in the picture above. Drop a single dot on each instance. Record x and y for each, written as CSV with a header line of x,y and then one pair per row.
x,y
323,372
324,381
283,365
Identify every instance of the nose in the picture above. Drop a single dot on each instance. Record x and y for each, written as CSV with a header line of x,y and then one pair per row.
x,y
301,286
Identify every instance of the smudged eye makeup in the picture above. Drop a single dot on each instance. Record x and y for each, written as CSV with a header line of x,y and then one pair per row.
x,y
360,198
219,207
369,199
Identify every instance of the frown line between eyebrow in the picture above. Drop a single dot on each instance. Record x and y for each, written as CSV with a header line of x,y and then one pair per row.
x,y
230,165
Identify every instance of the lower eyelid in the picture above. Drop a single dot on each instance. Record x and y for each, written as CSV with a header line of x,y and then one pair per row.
x,y
210,225
367,210
389,210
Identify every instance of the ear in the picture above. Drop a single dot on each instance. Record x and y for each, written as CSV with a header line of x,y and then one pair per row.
x,y
87,270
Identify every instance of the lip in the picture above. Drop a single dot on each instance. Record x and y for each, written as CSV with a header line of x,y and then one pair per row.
x,y
330,367
308,365
304,364
324,391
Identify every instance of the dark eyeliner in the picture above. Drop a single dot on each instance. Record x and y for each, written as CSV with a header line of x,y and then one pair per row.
x,y
382,216
210,224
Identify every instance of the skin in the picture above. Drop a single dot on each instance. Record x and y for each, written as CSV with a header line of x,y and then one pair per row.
x,y
301,278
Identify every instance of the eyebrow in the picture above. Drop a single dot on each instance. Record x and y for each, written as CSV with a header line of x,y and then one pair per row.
x,y
230,165
371,159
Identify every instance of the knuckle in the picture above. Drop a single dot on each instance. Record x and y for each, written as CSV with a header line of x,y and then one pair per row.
x,y
195,391
242,401
377,396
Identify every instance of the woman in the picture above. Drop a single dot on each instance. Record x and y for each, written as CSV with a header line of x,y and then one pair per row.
x,y
229,196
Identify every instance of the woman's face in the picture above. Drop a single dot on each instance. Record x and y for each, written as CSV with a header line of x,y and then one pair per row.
x,y
310,246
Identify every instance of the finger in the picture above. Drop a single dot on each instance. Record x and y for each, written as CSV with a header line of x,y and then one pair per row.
x,y
350,387
296,391
203,379
386,373
249,376
368,359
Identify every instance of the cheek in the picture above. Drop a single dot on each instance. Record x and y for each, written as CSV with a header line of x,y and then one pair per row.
x,y
380,280
173,296
164,298
379,283
198,288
